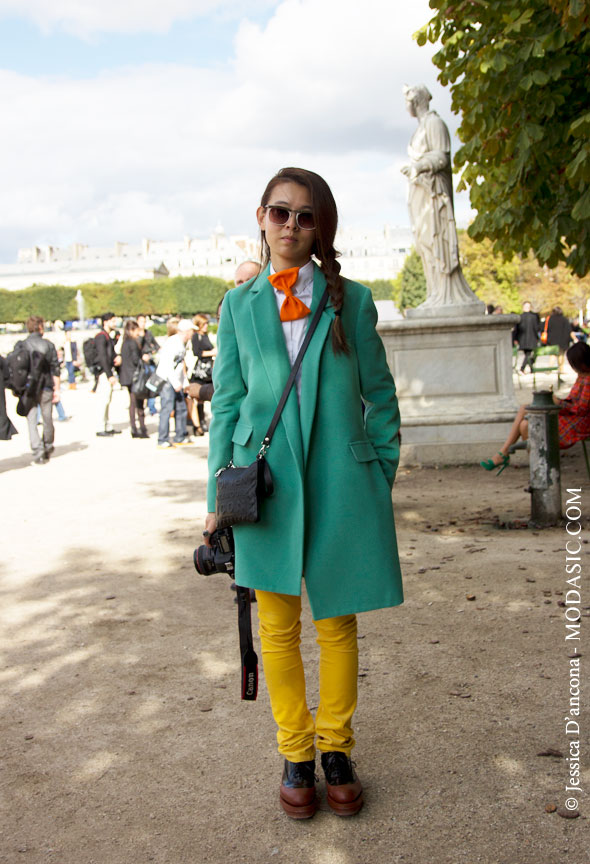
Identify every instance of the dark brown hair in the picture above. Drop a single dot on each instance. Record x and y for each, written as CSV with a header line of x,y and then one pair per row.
x,y
130,324
34,323
578,356
326,221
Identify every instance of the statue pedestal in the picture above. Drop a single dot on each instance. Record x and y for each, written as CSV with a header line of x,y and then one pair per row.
x,y
454,385
454,310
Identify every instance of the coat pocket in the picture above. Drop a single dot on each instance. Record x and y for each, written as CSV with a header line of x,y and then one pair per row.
x,y
363,451
242,434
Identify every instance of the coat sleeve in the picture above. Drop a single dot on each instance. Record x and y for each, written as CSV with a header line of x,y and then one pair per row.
x,y
53,361
228,393
382,418
103,354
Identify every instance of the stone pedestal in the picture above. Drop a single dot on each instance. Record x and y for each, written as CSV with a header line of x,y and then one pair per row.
x,y
454,384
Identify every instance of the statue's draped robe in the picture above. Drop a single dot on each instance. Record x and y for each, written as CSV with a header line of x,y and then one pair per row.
x,y
430,201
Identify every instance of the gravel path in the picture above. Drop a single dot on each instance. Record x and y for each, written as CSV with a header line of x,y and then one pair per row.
x,y
122,735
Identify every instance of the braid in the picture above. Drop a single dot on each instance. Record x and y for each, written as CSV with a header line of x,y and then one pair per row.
x,y
330,267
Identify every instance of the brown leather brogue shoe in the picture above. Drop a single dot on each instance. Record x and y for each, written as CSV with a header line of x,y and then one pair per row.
x,y
343,787
297,794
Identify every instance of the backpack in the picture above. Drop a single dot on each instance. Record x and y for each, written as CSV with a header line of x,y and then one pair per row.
x,y
18,363
26,371
91,355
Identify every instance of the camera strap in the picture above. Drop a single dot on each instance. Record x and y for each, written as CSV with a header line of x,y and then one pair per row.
x,y
247,652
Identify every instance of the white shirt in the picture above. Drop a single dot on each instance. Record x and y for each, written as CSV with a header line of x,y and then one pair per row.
x,y
294,331
171,366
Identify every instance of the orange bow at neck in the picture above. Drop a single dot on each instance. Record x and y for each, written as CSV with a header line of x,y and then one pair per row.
x,y
292,308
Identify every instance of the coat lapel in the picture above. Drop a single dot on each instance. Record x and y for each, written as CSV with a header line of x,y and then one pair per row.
x,y
310,366
273,352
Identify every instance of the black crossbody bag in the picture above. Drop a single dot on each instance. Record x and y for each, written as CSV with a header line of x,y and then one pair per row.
x,y
240,491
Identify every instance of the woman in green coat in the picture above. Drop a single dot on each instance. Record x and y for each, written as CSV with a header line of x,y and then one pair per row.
x,y
333,460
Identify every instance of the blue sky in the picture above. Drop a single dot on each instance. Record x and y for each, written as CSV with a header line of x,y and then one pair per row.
x,y
26,49
137,118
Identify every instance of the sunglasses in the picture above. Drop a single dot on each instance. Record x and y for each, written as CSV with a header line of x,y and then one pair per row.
x,y
281,215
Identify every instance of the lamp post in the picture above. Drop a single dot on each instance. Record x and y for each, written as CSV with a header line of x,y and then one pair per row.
x,y
545,474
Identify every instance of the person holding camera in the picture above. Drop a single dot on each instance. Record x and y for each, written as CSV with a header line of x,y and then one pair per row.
x,y
330,518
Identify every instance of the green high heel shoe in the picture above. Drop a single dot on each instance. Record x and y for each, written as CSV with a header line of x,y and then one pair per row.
x,y
489,464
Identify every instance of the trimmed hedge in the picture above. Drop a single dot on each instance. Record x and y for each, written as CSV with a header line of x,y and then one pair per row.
x,y
180,295
183,295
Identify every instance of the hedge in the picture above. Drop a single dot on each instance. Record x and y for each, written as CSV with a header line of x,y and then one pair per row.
x,y
180,295
184,295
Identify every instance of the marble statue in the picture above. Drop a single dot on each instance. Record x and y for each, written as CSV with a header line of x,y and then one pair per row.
x,y
430,202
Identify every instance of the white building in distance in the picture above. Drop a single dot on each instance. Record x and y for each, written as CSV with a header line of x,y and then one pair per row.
x,y
365,255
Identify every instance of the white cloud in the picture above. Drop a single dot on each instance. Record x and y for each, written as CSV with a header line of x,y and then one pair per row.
x,y
164,150
84,18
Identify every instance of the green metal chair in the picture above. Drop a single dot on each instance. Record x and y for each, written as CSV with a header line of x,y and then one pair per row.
x,y
550,351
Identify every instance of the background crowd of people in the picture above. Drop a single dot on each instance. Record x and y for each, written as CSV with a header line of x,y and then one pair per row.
x,y
185,361
554,330
124,351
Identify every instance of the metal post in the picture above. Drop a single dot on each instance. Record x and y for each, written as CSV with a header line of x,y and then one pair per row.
x,y
545,475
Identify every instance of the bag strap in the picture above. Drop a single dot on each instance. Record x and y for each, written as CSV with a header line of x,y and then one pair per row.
x,y
291,379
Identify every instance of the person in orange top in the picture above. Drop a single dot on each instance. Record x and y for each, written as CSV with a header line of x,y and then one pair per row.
x,y
574,411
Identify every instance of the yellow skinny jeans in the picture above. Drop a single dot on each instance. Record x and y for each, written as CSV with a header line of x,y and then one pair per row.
x,y
279,616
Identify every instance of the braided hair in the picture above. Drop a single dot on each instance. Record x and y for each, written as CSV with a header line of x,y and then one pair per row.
x,y
326,221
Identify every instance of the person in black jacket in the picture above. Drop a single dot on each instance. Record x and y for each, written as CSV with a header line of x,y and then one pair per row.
x,y
105,381
131,357
7,427
559,332
149,345
49,387
526,334
204,352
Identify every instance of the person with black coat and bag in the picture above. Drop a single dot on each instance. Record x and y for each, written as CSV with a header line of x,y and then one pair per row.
x,y
7,427
105,375
46,390
526,335
559,332
204,352
131,361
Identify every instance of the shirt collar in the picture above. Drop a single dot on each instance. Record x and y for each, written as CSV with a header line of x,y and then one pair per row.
x,y
304,278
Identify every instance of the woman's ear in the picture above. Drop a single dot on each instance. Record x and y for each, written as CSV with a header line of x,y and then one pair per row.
x,y
260,217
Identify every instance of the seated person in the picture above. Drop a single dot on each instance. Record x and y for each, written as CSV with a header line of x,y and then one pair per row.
x,y
574,411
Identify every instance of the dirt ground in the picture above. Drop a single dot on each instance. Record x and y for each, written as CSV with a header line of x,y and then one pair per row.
x,y
123,738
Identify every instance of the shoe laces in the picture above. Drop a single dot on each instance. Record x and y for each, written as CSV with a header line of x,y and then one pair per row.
x,y
301,772
338,767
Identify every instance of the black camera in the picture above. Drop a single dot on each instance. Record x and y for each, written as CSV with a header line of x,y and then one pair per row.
x,y
219,557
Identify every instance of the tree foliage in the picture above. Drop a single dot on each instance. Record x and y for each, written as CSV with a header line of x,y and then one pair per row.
x,y
184,295
493,278
547,287
520,78
382,289
411,282
510,282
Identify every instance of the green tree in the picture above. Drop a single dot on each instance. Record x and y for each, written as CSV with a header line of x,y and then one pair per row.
x,y
410,283
520,79
494,279
381,289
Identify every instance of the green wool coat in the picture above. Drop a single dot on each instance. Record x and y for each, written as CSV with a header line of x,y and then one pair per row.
x,y
331,515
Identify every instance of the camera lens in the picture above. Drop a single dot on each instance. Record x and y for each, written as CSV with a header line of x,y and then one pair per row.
x,y
204,560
